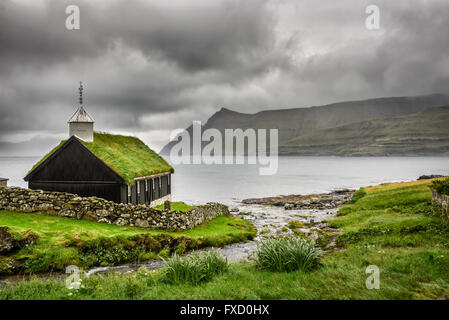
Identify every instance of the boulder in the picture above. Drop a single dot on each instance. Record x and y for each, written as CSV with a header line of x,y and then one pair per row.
x,y
289,206
7,242
142,223
28,239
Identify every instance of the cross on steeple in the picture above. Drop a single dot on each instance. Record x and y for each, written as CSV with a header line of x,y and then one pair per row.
x,y
81,88
81,124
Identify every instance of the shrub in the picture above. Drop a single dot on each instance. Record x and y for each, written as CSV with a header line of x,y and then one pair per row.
x,y
195,268
288,254
441,186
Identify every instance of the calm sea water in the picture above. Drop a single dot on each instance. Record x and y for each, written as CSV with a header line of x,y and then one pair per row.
x,y
296,175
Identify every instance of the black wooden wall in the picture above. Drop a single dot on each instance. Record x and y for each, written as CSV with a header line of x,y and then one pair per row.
x,y
75,169
148,190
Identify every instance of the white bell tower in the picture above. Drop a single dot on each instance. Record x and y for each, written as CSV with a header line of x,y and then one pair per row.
x,y
81,124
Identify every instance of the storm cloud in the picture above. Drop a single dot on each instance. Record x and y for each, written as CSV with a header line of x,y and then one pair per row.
x,y
152,66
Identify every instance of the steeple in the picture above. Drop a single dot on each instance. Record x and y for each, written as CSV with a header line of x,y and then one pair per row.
x,y
81,93
81,123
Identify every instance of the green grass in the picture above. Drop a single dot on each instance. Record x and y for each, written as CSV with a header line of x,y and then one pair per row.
x,y
391,226
195,268
287,255
65,241
176,206
126,155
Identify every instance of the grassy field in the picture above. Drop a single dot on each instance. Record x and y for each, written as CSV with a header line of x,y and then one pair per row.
x,y
64,241
391,226
176,206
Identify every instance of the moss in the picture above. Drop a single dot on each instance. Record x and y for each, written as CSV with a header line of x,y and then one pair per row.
x,y
295,224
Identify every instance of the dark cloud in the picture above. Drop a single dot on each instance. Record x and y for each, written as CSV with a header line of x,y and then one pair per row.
x,y
152,66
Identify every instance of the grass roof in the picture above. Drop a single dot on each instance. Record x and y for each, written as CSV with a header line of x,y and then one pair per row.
x,y
126,155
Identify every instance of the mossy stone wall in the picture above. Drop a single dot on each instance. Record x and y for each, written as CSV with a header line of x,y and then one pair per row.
x,y
100,210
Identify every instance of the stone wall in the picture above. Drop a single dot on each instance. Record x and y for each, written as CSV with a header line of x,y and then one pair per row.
x,y
96,209
442,201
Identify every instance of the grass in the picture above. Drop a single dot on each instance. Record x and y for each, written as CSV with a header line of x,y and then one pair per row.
x,y
392,226
195,268
64,241
176,206
126,155
287,255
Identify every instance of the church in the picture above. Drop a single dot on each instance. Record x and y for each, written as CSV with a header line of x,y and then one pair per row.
x,y
114,167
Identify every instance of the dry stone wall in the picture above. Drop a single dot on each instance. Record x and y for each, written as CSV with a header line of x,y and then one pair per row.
x,y
100,210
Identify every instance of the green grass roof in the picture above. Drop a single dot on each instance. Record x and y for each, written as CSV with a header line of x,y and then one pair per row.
x,y
126,155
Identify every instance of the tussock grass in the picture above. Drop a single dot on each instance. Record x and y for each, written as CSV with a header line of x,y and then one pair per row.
x,y
195,268
287,255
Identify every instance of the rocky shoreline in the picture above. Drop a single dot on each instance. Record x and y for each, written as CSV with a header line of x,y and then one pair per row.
x,y
331,200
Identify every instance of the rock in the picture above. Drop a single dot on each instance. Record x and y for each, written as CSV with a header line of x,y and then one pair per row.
x,y
289,206
28,239
431,176
142,223
234,209
341,191
7,242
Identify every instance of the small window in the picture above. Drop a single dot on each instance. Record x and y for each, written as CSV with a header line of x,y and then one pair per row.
x,y
146,185
129,193
138,187
154,185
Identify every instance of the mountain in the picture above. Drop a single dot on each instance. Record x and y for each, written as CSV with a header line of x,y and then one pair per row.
x,y
422,133
384,126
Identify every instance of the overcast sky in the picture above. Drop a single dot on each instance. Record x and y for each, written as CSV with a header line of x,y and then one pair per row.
x,y
154,66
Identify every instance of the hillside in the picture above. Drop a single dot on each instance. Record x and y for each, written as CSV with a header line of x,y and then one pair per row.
x,y
304,127
421,133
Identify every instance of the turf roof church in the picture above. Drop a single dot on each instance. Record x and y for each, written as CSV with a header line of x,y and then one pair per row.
x,y
114,167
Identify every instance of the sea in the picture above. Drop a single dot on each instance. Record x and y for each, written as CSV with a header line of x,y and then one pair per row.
x,y
229,184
